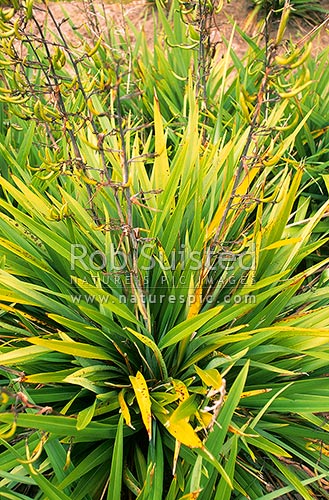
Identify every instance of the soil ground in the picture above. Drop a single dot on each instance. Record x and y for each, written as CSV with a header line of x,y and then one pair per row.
x,y
139,12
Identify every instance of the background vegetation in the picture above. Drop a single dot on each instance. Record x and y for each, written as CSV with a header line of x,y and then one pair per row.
x,y
164,270
301,8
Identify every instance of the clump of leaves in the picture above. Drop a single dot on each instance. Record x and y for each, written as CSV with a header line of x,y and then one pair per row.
x,y
309,10
164,282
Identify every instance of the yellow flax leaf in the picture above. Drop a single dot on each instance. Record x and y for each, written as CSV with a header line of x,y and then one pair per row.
x,y
256,392
143,399
124,409
184,433
196,304
192,496
180,389
210,377
161,169
281,243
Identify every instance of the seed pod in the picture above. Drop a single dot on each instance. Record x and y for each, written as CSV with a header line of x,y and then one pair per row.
x,y
283,23
294,91
303,58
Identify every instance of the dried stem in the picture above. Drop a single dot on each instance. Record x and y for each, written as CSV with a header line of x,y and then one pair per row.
x,y
75,63
61,106
131,234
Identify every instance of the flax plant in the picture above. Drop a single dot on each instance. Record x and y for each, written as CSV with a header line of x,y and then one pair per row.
x,y
164,270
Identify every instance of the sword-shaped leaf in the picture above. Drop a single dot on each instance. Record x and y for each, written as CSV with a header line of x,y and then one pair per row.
x,y
143,399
